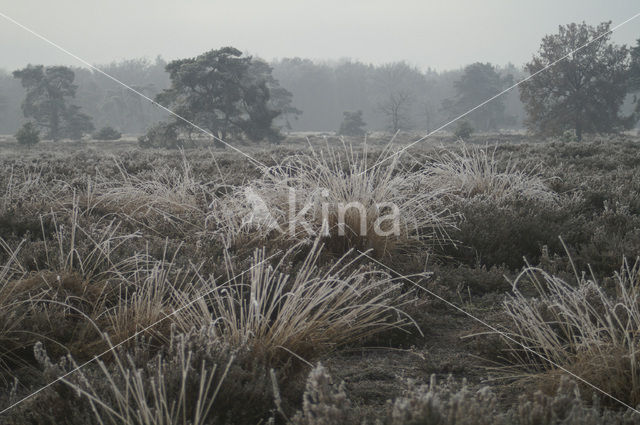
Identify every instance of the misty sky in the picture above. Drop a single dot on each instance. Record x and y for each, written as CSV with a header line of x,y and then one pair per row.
x,y
441,34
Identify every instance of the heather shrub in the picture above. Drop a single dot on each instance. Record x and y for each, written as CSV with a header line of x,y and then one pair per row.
x,y
465,281
613,232
490,235
107,133
161,135
323,402
566,407
195,379
445,404
28,135
463,130
450,402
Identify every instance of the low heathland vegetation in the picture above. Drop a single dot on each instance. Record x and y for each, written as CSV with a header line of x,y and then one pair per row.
x,y
152,286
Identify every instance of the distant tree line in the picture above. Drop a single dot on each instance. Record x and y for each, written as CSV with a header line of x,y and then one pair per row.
x,y
394,96
311,96
106,102
595,89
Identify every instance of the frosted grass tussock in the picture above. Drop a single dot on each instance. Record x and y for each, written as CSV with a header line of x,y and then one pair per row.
x,y
305,312
339,195
582,327
474,172
165,196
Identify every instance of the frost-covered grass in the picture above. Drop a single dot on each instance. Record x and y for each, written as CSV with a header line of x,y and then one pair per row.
x,y
168,246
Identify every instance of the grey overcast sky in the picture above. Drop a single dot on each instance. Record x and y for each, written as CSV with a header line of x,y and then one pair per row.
x,y
441,34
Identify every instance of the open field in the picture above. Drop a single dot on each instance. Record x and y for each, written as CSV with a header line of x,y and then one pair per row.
x,y
224,310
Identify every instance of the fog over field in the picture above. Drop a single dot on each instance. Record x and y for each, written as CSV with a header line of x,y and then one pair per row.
x,y
320,52
427,34
318,213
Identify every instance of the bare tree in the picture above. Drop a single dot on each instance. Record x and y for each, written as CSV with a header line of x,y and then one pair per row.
x,y
396,109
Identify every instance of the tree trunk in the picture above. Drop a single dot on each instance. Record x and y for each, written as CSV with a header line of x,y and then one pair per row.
x,y
54,123
579,131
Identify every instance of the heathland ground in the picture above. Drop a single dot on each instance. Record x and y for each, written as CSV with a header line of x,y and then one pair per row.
x,y
218,317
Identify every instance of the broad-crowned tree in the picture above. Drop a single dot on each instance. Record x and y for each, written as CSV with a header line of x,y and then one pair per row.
x,y
49,91
219,92
582,92
280,99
